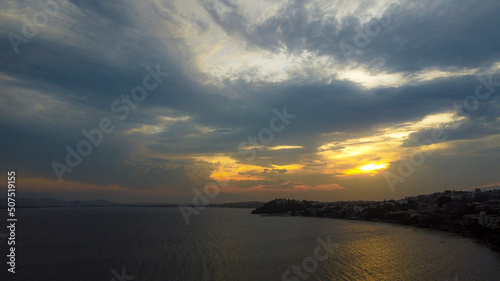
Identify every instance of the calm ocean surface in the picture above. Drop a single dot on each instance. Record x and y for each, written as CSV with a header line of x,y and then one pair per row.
x,y
230,244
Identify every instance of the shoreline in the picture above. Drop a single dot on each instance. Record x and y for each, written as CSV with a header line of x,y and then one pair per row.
x,y
439,230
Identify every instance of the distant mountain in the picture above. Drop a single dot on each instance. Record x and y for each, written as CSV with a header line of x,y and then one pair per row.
x,y
250,205
23,202
51,202
493,187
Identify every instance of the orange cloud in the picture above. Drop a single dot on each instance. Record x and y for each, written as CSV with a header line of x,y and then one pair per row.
x,y
332,186
53,185
373,153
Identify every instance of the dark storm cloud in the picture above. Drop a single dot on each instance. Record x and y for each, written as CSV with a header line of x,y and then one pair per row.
x,y
453,34
119,12
108,45
469,163
417,35
468,129
86,77
342,107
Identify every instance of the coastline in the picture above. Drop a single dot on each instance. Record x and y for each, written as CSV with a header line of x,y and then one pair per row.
x,y
437,230
470,215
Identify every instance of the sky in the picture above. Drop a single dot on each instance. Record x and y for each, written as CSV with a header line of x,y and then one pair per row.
x,y
157,101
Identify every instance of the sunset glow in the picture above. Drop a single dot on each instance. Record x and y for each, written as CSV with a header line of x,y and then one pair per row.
x,y
272,97
237,140
372,167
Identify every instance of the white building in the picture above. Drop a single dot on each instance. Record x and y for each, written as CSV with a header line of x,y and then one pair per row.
x,y
488,221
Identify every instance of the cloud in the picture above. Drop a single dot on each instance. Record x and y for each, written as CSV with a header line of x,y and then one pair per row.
x,y
230,63
333,186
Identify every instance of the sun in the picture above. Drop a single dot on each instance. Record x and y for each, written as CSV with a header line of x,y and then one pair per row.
x,y
366,169
372,167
